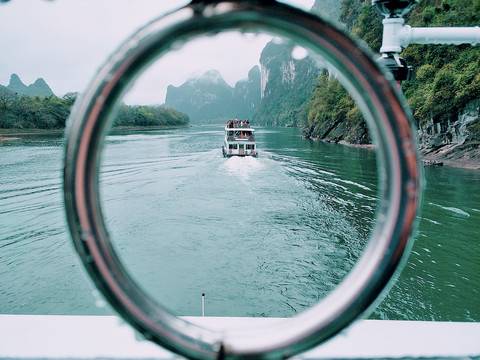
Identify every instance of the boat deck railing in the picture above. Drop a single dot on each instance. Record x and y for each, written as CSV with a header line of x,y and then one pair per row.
x,y
108,337
245,138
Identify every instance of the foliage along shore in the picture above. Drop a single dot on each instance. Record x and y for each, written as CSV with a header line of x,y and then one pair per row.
x,y
443,92
34,114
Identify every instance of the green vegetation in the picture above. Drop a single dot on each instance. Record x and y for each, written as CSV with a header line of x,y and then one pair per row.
x,y
133,116
51,112
363,22
444,78
26,112
332,114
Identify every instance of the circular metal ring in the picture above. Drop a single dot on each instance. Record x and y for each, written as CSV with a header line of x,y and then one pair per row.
x,y
398,164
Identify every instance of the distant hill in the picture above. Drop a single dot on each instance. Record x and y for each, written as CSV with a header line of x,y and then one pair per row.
x,y
6,92
209,99
38,88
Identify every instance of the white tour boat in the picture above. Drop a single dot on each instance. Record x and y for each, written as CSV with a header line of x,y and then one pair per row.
x,y
239,139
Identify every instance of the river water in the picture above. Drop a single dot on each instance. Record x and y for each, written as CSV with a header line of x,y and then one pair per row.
x,y
266,236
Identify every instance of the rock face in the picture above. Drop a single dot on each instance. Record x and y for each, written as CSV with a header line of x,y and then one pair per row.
x,y
38,88
456,143
246,94
288,79
209,99
287,83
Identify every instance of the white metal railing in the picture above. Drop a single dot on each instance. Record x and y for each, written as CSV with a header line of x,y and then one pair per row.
x,y
109,337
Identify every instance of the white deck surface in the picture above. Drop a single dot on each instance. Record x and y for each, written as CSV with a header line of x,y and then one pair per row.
x,y
88,337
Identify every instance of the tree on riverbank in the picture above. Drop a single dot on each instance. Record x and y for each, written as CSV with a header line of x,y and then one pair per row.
x,y
26,112
51,112
149,116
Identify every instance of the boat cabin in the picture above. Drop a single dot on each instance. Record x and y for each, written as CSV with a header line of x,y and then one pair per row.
x,y
239,139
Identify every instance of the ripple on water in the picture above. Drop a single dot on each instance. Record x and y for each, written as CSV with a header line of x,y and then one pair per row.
x,y
265,236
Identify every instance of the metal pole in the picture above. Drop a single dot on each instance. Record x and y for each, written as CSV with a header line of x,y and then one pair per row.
x,y
396,35
203,304
442,35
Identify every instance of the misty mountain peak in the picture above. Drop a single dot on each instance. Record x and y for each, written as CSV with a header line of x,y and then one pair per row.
x,y
208,98
210,77
16,85
15,79
40,82
38,88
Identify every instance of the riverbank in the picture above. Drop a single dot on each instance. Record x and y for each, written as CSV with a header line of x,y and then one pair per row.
x,y
465,156
16,134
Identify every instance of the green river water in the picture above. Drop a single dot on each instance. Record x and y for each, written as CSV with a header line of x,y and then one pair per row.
x,y
266,236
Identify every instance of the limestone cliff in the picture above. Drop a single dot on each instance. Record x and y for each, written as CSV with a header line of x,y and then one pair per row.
x,y
287,84
454,143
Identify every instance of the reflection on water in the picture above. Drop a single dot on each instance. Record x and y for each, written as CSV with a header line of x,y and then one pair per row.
x,y
265,236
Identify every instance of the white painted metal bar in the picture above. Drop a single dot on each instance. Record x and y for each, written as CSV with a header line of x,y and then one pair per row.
x,y
396,35
90,337
442,35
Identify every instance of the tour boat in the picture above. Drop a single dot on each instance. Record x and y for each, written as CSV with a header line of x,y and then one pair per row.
x,y
239,139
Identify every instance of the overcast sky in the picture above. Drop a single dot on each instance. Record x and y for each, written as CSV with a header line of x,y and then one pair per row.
x,y
66,41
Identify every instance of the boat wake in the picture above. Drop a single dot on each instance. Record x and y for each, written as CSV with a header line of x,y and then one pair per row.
x,y
243,167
